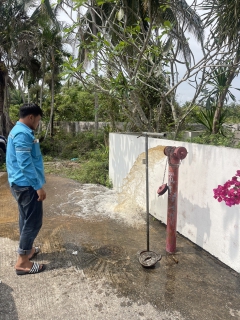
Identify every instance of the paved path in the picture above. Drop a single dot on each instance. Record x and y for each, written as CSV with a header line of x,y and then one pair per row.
x,y
91,251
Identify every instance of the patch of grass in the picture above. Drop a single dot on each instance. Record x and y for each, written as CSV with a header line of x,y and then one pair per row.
x,y
83,157
3,167
88,171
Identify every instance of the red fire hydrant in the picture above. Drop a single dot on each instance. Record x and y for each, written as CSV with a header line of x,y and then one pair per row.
x,y
175,155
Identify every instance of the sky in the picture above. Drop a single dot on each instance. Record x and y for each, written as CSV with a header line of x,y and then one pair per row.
x,y
185,92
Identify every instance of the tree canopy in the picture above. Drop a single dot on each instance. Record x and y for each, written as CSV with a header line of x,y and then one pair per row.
x,y
125,55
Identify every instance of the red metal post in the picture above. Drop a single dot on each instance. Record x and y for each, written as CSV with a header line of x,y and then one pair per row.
x,y
175,155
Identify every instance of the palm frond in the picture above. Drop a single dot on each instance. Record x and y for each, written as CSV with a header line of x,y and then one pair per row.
x,y
187,15
224,19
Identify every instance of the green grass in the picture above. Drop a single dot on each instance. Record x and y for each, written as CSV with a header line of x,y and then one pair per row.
x,y
88,171
83,157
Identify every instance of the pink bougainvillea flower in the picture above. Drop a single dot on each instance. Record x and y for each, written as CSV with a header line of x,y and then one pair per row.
x,y
229,192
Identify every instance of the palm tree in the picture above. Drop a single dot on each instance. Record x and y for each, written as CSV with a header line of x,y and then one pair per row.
x,y
223,18
54,55
50,49
19,50
218,78
14,41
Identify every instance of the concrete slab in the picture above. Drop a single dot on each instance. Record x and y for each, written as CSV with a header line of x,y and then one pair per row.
x,y
91,249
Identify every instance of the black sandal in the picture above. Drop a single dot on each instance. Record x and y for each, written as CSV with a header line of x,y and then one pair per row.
x,y
35,269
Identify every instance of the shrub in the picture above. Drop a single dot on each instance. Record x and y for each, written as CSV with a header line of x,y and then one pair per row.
x,y
87,150
216,139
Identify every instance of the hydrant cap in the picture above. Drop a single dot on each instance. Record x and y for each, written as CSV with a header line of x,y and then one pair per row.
x,y
180,153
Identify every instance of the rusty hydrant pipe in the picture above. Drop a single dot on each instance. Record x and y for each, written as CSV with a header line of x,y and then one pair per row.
x,y
175,155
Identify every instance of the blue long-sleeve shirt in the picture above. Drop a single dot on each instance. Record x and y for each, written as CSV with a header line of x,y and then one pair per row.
x,y
24,159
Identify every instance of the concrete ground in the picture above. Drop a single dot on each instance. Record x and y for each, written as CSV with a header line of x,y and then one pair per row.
x,y
91,246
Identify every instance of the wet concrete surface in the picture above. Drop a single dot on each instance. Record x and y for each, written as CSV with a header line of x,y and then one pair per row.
x,y
91,251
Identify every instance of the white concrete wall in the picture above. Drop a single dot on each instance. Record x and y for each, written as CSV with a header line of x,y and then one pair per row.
x,y
202,219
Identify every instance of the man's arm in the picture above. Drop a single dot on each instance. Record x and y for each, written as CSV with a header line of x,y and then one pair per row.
x,y
23,145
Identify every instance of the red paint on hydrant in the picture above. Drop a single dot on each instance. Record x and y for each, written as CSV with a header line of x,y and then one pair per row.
x,y
175,155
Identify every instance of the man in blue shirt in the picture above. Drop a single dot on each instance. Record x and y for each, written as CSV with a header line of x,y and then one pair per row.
x,y
26,178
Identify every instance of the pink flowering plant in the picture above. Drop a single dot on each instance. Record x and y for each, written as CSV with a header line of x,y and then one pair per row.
x,y
229,192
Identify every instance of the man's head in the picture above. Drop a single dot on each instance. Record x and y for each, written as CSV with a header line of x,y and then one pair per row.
x,y
30,114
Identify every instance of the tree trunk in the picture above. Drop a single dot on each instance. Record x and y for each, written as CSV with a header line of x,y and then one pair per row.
x,y
18,82
41,93
5,123
52,107
52,95
20,88
217,114
159,114
2,122
8,124
96,104
172,97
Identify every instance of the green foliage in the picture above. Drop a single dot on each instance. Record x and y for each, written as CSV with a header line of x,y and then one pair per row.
x,y
223,17
217,82
95,168
130,45
16,97
205,117
74,103
68,146
14,113
234,113
110,109
226,140
3,167
86,153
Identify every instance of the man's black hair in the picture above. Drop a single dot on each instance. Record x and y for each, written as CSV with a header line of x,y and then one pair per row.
x,y
30,108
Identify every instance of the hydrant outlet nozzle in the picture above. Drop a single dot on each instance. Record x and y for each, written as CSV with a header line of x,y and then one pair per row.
x,y
180,153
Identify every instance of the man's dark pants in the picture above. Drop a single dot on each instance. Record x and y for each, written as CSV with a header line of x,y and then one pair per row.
x,y
30,216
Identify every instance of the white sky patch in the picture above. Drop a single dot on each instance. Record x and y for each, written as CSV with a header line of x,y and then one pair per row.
x,y
185,91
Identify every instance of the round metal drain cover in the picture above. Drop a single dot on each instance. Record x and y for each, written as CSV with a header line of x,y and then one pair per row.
x,y
149,258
